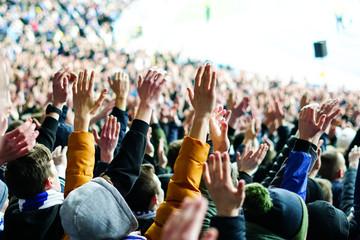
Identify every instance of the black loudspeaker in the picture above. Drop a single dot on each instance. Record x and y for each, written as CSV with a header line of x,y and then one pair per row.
x,y
320,49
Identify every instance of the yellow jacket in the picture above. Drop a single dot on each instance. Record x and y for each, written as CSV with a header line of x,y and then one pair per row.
x,y
80,162
184,183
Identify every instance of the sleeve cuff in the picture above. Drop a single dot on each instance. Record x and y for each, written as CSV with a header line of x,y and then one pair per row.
x,y
302,146
139,126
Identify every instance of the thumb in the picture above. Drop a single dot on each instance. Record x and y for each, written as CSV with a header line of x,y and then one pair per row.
x,y
321,121
140,81
224,128
211,234
241,191
191,95
96,136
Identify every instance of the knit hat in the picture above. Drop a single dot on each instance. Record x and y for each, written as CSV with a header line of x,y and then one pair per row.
x,y
326,222
3,193
280,211
344,137
96,210
313,191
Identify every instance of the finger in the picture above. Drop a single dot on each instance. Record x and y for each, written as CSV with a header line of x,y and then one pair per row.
x,y
112,127
198,76
150,73
218,174
226,167
106,128
227,115
320,143
191,95
206,77
99,101
241,191
224,128
64,151
110,81
66,83
206,175
140,81
96,136
29,141
84,81
80,80
213,81
74,87
321,121
57,151
238,156
117,132
91,83
4,125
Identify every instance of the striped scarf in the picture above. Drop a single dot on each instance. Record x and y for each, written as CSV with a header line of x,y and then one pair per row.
x,y
41,201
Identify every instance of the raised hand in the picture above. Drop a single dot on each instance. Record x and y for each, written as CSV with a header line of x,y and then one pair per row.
x,y
203,100
120,85
108,139
310,129
150,150
61,81
217,175
330,109
162,159
203,97
238,110
186,223
18,142
354,156
251,132
149,91
85,105
251,159
219,129
59,156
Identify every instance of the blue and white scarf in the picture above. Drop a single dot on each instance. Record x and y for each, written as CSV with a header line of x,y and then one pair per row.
x,y
41,201
145,214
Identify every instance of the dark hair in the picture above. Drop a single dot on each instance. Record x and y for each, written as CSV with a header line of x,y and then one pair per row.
x,y
173,152
26,176
144,189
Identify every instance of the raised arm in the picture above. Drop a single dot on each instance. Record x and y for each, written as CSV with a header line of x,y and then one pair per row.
x,y
81,151
193,153
125,168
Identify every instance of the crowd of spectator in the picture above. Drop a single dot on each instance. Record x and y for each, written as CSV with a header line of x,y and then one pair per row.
x,y
183,150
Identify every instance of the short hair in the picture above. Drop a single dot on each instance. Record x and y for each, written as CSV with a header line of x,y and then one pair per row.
x,y
173,152
26,176
144,189
330,164
326,187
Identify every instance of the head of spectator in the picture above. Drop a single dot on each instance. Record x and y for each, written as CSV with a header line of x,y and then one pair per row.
x,y
32,173
274,212
332,165
326,222
326,188
146,194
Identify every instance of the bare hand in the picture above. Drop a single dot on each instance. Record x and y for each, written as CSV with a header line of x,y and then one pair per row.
x,y
61,82
217,175
354,156
120,85
84,103
59,156
250,159
162,159
203,97
108,138
18,142
186,223
310,129
219,129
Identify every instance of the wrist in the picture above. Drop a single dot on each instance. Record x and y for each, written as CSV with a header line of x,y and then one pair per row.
x,y
120,102
106,156
58,105
81,123
227,212
353,165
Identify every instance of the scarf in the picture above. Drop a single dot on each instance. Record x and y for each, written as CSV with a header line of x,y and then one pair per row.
x,y
145,214
41,201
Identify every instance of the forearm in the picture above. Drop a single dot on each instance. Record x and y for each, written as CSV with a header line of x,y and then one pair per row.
x,y
125,168
199,128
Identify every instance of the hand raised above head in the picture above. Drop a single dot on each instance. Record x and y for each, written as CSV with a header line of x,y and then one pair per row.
x,y
203,96
84,103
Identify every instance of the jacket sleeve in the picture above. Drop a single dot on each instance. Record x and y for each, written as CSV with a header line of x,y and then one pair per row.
x,y
125,168
297,168
230,227
184,183
47,133
80,162
347,193
122,118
